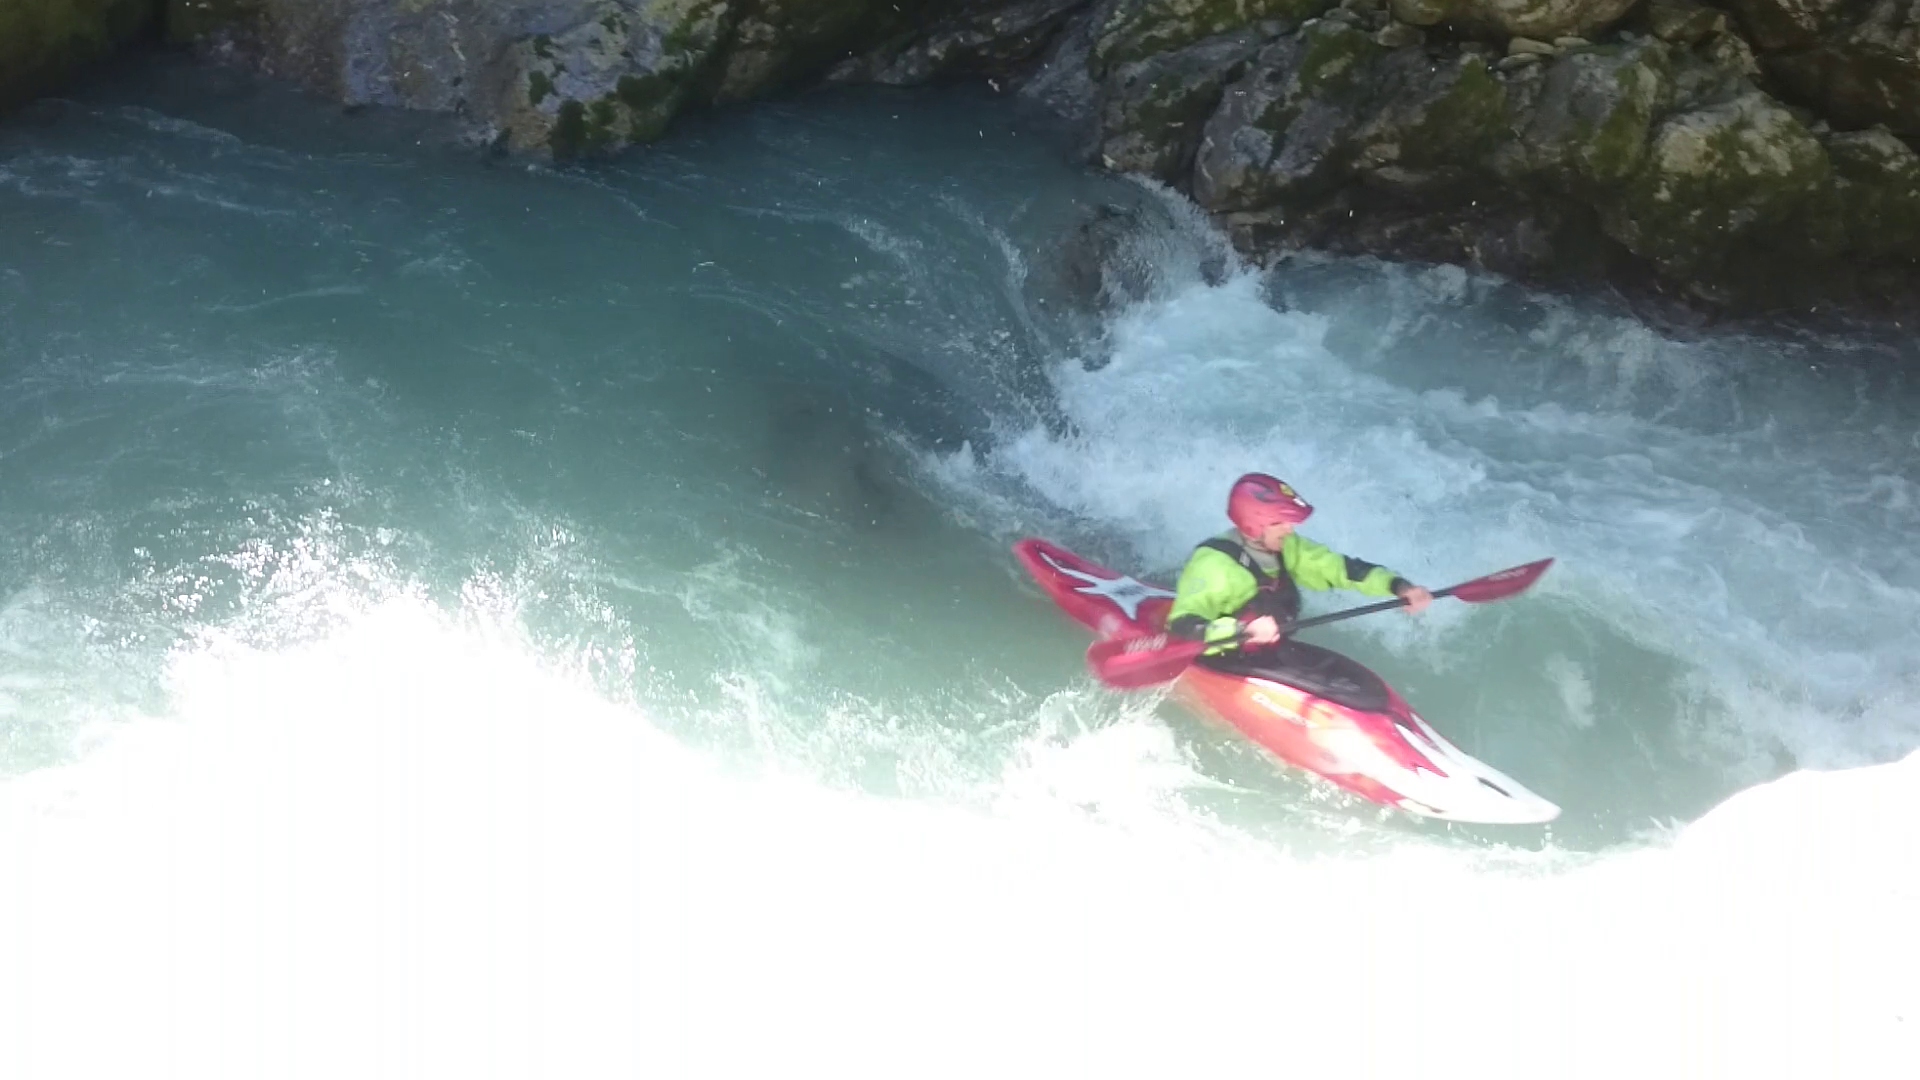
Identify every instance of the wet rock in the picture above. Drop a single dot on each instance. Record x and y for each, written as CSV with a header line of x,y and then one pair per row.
x,y
1716,180
977,40
1542,20
1784,24
1398,35
1154,110
1282,130
1330,107
1061,79
1421,12
1732,54
575,77
1683,22
1876,198
1857,62
774,44
1137,29
605,82
1586,130
1118,255
42,41
1501,138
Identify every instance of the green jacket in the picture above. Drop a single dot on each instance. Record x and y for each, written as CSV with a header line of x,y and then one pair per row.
x,y
1216,588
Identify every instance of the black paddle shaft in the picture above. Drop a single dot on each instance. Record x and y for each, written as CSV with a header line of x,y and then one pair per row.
x,y
1336,616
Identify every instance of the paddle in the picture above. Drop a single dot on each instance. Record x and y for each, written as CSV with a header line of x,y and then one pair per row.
x,y
1149,659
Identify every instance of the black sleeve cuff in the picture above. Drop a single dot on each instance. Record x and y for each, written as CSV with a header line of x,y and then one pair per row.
x,y
1191,627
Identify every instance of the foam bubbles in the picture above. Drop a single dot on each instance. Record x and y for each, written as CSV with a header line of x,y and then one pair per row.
x,y
1473,430
414,845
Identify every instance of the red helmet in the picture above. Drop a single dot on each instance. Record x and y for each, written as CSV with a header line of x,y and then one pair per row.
x,y
1259,500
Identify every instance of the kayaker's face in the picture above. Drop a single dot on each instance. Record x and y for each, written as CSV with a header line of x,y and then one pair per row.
x,y
1274,535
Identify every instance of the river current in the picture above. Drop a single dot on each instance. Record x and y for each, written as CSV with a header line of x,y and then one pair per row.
x,y
464,616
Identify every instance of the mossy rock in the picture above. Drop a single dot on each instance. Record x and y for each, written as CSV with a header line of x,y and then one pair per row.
x,y
1716,180
1683,22
1432,114
1856,85
611,81
1142,28
777,42
1284,129
1586,130
1330,108
1542,20
41,41
1876,193
1153,112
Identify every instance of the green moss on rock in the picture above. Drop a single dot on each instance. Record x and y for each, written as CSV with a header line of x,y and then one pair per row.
x,y
1459,123
644,92
777,42
1715,180
1586,131
539,87
575,135
1154,111
1335,55
42,40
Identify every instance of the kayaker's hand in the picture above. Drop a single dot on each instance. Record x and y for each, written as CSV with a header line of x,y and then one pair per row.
x,y
1263,631
1417,599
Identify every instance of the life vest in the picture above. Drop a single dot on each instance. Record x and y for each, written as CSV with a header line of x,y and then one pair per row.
x,y
1278,595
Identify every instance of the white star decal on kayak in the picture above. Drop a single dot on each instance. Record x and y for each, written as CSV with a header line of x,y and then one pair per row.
x,y
1123,592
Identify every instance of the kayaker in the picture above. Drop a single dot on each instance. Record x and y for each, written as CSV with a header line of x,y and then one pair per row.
x,y
1248,580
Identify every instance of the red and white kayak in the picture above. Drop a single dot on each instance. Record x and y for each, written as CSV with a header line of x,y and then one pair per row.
x,y
1319,711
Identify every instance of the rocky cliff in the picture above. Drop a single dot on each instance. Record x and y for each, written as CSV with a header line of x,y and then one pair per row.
x,y
1744,154
1719,153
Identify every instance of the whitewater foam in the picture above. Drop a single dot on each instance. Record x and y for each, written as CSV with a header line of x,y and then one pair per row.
x,y
1745,561
414,845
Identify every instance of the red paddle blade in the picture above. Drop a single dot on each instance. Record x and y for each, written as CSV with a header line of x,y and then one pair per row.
x,y
1499,586
1131,663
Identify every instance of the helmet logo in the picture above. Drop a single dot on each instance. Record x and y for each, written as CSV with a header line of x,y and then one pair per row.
x,y
1273,494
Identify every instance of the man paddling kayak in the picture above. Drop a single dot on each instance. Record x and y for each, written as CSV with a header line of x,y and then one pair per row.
x,y
1247,581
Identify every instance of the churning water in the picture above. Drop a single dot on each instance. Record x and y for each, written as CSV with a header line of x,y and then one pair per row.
x,y
473,618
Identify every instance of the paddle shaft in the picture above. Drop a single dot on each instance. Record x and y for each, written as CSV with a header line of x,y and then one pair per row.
x,y
1147,659
1336,616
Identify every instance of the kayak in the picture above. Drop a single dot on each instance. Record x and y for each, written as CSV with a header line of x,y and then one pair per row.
x,y
1310,707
